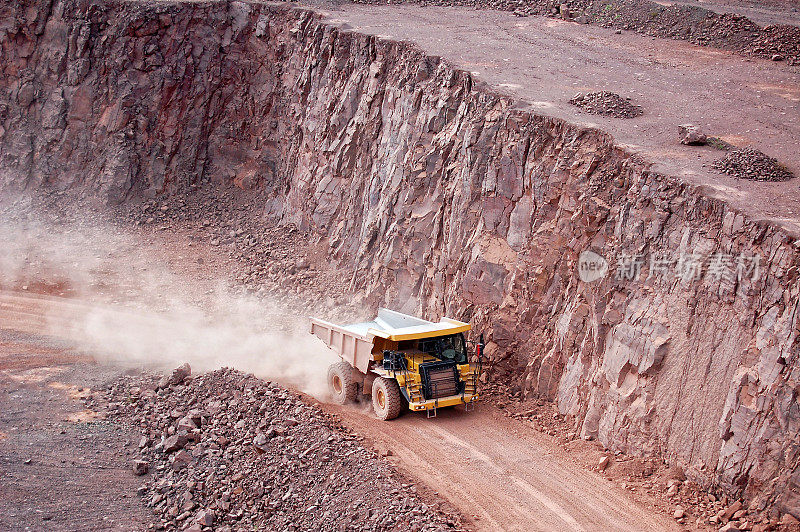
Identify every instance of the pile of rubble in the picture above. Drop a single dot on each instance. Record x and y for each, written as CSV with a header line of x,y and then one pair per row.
x,y
226,450
750,163
607,104
274,260
779,42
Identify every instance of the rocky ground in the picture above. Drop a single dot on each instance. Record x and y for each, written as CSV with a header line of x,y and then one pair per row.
x,y
778,42
243,453
690,505
289,266
226,450
61,467
280,260
607,104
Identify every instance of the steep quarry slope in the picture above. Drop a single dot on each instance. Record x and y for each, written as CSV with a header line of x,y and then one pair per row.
x,y
444,199
542,63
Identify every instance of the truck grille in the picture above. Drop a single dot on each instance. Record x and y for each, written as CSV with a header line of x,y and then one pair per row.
x,y
439,379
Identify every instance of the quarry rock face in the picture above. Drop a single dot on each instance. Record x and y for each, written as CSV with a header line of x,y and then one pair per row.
x,y
444,200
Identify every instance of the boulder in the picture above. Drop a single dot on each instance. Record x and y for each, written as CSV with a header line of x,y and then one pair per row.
x,y
727,514
140,467
175,442
181,459
186,424
691,135
180,373
204,518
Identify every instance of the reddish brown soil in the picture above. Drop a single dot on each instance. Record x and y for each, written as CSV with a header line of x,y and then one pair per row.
x,y
769,31
60,468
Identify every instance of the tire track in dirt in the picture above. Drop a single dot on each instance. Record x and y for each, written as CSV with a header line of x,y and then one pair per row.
x,y
504,475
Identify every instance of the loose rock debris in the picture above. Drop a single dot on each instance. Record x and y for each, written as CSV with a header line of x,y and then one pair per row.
x,y
750,163
607,104
691,135
230,451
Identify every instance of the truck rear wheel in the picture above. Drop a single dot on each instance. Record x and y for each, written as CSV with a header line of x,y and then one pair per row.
x,y
386,398
343,388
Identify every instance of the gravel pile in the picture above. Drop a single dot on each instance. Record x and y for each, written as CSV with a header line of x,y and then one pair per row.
x,y
779,42
228,451
749,163
607,104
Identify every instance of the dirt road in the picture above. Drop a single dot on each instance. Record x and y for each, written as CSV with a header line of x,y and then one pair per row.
x,y
498,472
501,473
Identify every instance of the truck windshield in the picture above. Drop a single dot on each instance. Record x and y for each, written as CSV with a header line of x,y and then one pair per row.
x,y
448,348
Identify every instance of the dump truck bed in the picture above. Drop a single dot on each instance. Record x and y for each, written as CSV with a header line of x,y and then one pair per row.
x,y
396,326
355,342
350,344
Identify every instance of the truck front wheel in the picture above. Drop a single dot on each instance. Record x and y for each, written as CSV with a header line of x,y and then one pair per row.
x,y
343,388
386,398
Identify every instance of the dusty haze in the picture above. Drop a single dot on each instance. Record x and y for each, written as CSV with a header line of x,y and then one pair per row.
x,y
108,295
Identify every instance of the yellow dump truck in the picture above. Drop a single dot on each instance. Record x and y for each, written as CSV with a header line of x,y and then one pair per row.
x,y
402,361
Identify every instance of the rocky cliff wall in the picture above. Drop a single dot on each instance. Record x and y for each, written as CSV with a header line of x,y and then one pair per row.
x,y
444,199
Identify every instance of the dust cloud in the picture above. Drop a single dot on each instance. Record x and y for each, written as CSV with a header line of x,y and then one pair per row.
x,y
119,299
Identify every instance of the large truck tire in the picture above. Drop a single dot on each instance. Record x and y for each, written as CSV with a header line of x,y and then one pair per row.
x,y
343,388
386,398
